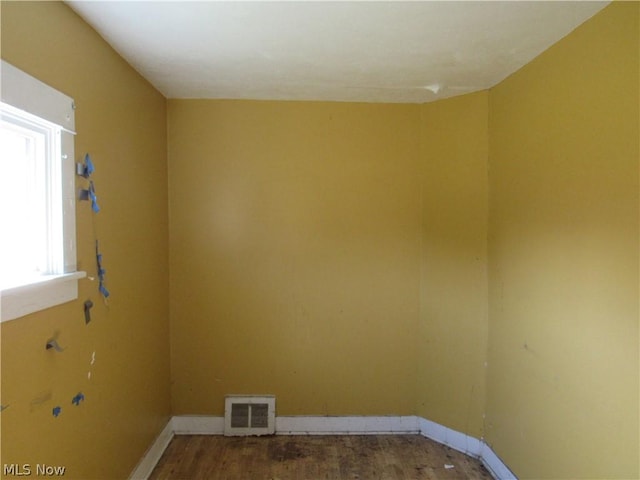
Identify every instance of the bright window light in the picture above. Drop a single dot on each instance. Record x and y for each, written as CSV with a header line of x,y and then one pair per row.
x,y
30,198
37,196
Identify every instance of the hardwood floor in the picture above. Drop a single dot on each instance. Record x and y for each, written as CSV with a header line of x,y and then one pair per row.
x,y
363,457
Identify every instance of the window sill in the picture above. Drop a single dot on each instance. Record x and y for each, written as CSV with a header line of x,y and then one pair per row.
x,y
45,292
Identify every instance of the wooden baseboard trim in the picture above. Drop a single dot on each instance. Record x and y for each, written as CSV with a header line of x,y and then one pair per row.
x,y
497,468
153,454
468,445
197,425
318,425
352,425
446,436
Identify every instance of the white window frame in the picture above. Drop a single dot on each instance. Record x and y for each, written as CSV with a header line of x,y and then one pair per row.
x,y
26,93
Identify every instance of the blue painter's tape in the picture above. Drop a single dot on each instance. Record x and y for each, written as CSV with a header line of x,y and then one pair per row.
x,y
90,194
88,166
103,290
93,197
101,272
77,399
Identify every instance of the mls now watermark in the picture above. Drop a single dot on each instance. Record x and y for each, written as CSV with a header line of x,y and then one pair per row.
x,y
27,470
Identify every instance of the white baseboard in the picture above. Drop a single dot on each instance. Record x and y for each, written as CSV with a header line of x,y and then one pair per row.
x,y
197,425
346,425
316,425
495,465
458,441
155,451
468,445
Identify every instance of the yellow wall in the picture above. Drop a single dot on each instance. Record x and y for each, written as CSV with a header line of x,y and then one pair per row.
x,y
453,290
121,121
349,258
294,245
563,242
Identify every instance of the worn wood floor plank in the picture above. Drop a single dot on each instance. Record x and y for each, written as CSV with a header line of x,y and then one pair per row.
x,y
358,457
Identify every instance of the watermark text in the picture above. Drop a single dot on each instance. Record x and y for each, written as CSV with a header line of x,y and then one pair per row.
x,y
28,470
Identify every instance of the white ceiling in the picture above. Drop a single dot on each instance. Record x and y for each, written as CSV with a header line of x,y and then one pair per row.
x,y
389,51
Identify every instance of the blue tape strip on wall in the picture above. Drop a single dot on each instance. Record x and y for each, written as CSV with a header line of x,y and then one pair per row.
x,y
101,272
77,399
88,168
93,197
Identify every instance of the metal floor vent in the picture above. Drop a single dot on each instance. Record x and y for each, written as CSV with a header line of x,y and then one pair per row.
x,y
249,415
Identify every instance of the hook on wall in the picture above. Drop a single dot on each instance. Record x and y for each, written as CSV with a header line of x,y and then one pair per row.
x,y
88,305
53,344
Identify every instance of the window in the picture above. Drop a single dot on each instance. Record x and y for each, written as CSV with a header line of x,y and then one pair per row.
x,y
37,196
